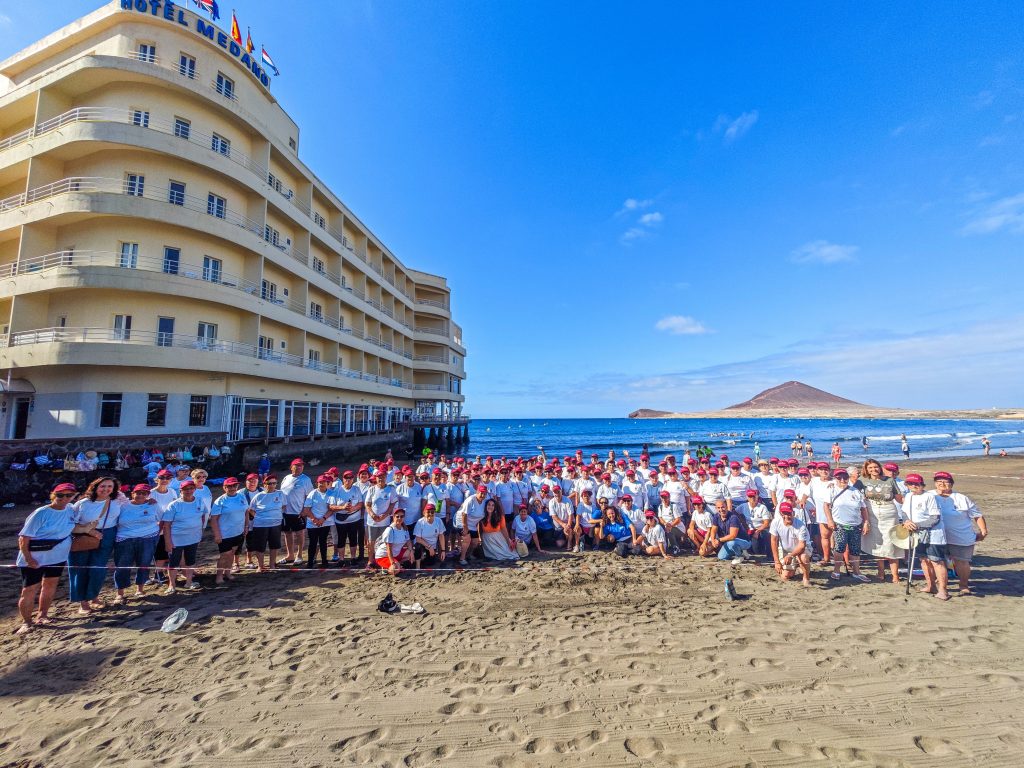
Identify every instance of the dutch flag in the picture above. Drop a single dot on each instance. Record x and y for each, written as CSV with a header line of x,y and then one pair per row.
x,y
270,62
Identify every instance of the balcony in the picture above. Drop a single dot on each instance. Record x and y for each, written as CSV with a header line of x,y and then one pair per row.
x,y
188,342
203,273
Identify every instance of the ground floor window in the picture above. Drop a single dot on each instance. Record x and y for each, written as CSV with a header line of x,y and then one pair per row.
x,y
110,410
199,411
156,411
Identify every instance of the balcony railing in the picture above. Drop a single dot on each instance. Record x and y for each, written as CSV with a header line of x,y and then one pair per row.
x,y
443,359
433,303
164,265
435,331
186,341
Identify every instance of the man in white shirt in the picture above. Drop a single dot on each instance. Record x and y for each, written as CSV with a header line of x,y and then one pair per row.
x,y
381,503
563,515
428,536
790,542
347,503
295,487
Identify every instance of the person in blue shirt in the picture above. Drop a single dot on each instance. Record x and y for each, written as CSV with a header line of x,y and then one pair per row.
x,y
615,531
542,519
728,533
263,468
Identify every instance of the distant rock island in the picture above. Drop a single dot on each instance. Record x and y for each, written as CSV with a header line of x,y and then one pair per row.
x,y
794,399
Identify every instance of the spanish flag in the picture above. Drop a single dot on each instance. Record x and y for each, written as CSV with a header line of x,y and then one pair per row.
x,y
249,45
236,33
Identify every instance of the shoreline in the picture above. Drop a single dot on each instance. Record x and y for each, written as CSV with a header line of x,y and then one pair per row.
x,y
1003,414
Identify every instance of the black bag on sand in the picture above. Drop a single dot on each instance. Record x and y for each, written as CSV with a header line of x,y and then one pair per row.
x,y
388,605
623,549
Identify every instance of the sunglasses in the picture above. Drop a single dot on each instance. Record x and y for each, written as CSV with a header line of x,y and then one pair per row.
x,y
270,483
65,495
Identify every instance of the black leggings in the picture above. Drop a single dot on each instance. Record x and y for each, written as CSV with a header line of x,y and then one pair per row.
x,y
317,538
354,534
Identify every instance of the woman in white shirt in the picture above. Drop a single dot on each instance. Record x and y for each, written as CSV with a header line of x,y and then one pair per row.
x,y
392,546
921,513
959,516
138,528
847,515
98,508
229,520
44,543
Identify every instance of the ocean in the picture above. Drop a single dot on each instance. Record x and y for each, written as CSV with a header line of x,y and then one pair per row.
x,y
928,438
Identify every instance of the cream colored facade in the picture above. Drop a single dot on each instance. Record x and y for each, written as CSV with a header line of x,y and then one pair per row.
x,y
161,241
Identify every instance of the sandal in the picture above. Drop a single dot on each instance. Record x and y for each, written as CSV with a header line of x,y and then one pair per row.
x,y
42,621
966,591
835,575
120,601
24,629
861,578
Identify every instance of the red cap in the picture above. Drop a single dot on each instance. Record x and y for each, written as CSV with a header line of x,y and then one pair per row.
x,y
270,477
165,473
665,495
481,488
347,474
734,465
697,499
626,496
803,472
557,487
713,471
891,467
841,473
789,493
252,476
146,488
297,461
942,476
650,515
630,473
523,506
324,478
232,481
785,507
606,476
725,456
773,460
188,484
747,460
912,478
364,467
751,493
652,474
64,488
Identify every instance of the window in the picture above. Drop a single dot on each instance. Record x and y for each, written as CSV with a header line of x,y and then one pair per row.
x,y
110,410
271,235
172,258
318,265
147,53
268,290
134,184
129,256
140,118
225,86
274,182
212,269
165,331
291,144
187,66
216,206
199,411
314,358
316,311
62,322
176,193
122,328
182,128
220,145
156,411
266,347
319,220
206,333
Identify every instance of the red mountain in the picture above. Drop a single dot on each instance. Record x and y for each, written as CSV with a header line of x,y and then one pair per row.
x,y
794,394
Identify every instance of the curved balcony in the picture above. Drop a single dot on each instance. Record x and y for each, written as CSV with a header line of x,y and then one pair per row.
x,y
107,186
222,353
212,277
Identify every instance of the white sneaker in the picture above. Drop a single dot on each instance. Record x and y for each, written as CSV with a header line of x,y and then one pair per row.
x,y
737,561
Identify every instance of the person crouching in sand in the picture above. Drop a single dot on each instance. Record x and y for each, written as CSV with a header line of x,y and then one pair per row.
x,y
651,538
392,546
700,523
791,542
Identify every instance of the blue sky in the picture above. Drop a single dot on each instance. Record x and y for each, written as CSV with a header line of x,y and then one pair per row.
x,y
676,205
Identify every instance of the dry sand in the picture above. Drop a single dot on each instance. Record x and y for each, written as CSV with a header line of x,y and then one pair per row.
x,y
577,660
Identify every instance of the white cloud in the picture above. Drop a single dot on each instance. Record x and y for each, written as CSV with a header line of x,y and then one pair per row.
x,y
823,252
634,233
5,20
1006,213
734,128
680,325
650,219
634,204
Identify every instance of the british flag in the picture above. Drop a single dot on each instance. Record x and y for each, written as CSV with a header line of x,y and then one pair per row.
x,y
210,6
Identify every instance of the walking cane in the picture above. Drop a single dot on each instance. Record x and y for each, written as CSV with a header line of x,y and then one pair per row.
x,y
913,551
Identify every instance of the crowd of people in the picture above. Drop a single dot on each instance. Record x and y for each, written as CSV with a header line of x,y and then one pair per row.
x,y
384,516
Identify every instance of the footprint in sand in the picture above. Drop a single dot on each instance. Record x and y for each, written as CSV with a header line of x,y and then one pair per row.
x,y
562,708
937,747
648,747
353,743
463,708
421,758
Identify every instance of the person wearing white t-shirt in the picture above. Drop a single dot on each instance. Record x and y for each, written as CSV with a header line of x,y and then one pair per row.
x,y
738,484
319,520
698,531
651,538
847,516
712,490
790,545
675,528
959,516
504,493
758,518
468,520
229,520
821,491
392,547
428,535
920,512
410,498
381,502
347,502
295,486
563,515
524,530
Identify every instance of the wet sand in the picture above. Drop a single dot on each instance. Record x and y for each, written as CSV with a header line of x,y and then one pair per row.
x,y
574,660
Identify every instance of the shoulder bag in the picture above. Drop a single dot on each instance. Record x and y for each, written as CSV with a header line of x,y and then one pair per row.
x,y
86,542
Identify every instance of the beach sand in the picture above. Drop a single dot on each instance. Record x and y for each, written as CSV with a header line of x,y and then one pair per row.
x,y
577,660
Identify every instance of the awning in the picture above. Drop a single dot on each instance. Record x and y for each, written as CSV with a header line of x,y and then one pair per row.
x,y
16,387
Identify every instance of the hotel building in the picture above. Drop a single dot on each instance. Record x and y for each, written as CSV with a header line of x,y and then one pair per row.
x,y
170,267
